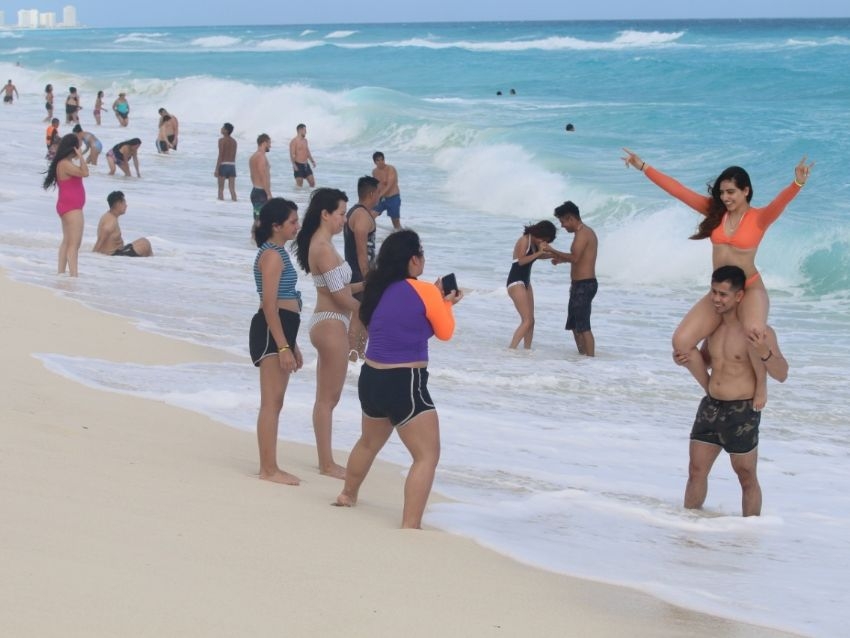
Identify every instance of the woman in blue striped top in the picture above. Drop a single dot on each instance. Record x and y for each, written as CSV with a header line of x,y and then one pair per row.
x,y
275,327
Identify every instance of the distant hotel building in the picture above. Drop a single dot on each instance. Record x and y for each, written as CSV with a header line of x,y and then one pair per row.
x,y
33,19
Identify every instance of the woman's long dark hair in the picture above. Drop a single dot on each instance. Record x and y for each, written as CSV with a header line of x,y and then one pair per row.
x,y
544,230
275,211
717,208
392,266
322,199
67,146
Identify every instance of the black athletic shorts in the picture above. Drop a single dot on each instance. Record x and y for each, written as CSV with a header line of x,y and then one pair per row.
x,y
397,394
260,341
582,293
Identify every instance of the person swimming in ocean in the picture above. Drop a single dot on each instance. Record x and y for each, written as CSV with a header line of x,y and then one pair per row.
x,y
122,109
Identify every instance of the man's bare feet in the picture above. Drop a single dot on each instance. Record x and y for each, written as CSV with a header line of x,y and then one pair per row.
x,y
280,476
335,471
344,500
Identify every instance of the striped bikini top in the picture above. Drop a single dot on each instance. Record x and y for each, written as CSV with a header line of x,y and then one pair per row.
x,y
335,279
288,278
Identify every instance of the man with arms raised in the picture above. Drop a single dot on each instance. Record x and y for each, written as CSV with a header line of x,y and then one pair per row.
x,y
109,240
299,154
725,418
583,286
261,179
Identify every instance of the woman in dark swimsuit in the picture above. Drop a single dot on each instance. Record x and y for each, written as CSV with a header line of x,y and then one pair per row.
x,y
528,248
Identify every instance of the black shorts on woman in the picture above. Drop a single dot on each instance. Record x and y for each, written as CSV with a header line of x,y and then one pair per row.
x,y
261,344
397,394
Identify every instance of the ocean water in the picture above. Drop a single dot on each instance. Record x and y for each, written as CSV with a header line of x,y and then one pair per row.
x,y
576,465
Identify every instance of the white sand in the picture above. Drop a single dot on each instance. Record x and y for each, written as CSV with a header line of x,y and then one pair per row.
x,y
126,517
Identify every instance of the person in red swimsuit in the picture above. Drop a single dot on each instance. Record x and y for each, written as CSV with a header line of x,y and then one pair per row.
x,y
735,229
68,176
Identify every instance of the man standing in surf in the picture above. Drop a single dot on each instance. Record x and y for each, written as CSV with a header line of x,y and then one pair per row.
x,y
389,196
583,285
261,179
299,154
725,419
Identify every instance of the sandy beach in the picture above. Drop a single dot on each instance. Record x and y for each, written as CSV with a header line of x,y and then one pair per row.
x,y
128,517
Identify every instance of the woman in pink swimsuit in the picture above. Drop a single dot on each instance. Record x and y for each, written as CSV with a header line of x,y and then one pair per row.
x,y
68,176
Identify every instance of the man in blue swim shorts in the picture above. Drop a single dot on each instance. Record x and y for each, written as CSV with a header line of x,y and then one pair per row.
x,y
389,196
582,258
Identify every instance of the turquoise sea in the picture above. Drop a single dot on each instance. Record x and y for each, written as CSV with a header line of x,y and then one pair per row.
x,y
574,465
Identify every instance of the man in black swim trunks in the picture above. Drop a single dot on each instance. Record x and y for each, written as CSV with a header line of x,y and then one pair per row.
x,y
109,240
583,286
261,179
725,418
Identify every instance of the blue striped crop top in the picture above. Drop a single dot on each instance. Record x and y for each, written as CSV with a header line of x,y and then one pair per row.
x,y
288,278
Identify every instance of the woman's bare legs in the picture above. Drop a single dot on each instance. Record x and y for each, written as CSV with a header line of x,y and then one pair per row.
x,y
330,339
699,323
273,382
374,434
523,299
753,314
72,236
421,437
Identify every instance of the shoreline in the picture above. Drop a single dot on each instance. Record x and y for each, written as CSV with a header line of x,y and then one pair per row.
x,y
127,516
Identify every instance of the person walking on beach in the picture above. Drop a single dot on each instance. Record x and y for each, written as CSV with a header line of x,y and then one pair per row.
x,y
332,328
274,328
225,163
583,286
121,154
67,175
736,230
401,313
173,127
726,418
299,154
10,92
261,179
48,102
531,246
98,107
109,239
389,196
121,108
92,145
72,106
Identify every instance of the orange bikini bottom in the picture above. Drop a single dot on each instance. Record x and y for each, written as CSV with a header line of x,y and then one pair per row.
x,y
752,278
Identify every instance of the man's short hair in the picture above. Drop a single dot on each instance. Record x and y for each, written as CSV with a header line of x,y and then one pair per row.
x,y
377,155
736,277
78,129
161,111
567,208
300,126
228,127
366,185
114,197
263,137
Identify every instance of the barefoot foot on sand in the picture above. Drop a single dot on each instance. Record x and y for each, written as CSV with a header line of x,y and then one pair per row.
x,y
335,471
344,500
281,477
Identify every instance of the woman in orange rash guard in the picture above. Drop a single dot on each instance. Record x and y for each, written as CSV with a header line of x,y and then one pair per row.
x,y
735,229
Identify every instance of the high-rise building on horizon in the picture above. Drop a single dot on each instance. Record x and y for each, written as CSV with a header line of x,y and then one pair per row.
x,y
47,20
28,18
69,16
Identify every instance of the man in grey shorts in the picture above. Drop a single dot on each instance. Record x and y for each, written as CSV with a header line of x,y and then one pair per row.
x,y
725,418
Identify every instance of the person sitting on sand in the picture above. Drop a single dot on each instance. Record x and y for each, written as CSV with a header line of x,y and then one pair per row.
x,y
109,240
120,155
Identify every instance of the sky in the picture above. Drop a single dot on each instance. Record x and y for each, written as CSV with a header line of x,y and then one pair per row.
x,y
109,13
